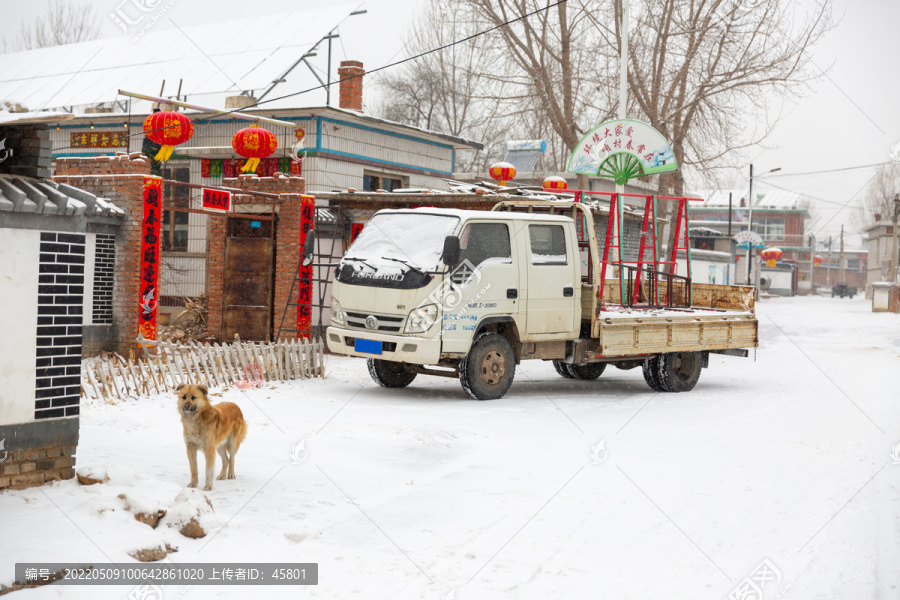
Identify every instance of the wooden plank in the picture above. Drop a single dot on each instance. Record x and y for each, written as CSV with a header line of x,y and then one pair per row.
x,y
227,352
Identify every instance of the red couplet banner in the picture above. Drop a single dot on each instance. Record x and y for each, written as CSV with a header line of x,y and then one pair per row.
x,y
149,273
304,301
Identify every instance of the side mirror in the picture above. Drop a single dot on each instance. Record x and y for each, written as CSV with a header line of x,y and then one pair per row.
x,y
450,255
309,247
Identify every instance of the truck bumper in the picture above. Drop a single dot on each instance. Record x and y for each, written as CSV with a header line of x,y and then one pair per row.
x,y
397,348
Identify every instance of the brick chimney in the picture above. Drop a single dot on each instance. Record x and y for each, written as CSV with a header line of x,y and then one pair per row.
x,y
351,74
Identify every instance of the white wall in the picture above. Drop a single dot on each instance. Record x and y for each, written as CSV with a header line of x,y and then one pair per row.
x,y
19,255
90,255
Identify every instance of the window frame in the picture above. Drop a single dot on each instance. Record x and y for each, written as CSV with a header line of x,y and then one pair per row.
x,y
554,263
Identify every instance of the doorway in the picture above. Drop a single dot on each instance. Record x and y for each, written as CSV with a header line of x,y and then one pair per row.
x,y
247,280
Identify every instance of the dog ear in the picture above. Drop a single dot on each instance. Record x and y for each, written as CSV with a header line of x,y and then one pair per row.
x,y
203,389
178,388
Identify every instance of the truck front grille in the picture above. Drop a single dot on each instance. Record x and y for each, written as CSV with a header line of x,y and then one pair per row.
x,y
389,323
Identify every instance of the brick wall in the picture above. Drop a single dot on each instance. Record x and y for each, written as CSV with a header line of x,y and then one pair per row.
x,y
287,241
27,468
351,74
104,269
30,150
38,452
60,305
119,178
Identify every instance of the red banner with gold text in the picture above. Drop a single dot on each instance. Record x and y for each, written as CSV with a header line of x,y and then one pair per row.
x,y
149,273
304,299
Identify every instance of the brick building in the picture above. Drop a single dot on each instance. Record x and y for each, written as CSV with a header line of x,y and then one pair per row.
x,y
779,217
56,293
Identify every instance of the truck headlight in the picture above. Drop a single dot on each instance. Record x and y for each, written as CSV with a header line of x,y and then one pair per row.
x,y
337,314
421,319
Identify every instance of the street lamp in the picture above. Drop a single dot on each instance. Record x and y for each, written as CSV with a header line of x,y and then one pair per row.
x,y
750,217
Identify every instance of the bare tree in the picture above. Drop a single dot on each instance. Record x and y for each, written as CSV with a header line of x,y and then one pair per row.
x,y
62,23
447,90
878,202
703,72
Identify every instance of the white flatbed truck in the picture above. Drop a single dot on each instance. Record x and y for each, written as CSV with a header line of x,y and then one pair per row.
x,y
470,294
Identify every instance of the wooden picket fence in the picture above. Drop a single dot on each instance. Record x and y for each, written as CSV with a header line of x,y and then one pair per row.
x,y
244,364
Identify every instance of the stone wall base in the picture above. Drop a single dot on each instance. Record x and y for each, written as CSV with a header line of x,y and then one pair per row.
x,y
37,452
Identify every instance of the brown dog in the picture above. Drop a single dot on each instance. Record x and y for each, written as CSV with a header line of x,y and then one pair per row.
x,y
208,428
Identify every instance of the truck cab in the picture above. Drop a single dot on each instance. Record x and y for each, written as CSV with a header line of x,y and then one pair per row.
x,y
417,285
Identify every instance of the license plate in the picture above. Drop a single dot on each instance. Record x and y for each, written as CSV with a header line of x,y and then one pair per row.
x,y
367,346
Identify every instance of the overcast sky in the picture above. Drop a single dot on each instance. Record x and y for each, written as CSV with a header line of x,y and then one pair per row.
x,y
846,119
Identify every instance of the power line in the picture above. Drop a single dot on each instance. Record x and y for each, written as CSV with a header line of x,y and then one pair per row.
x,y
826,171
376,70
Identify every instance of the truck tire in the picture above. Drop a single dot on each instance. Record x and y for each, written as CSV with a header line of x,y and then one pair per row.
x,y
651,374
487,371
389,374
679,371
563,369
587,371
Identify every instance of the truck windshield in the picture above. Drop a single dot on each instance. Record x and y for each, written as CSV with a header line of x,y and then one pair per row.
x,y
397,249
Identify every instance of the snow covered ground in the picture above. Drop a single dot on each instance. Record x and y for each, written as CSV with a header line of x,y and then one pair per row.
x,y
563,489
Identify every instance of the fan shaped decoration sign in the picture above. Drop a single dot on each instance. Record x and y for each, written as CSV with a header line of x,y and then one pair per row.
x,y
622,149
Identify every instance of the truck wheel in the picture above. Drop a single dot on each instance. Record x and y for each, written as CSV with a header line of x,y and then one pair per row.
x,y
563,369
679,371
651,374
389,374
587,371
487,371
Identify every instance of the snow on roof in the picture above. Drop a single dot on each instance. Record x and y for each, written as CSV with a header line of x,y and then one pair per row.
x,y
92,72
23,118
778,199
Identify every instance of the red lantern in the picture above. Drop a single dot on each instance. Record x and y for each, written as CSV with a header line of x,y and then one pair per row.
x,y
168,129
254,143
818,260
770,255
554,182
502,172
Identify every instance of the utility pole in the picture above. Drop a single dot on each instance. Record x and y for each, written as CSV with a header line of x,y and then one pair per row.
x,y
812,253
750,224
828,263
729,214
842,256
894,244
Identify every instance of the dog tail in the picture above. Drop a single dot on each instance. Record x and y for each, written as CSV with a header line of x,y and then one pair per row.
x,y
240,432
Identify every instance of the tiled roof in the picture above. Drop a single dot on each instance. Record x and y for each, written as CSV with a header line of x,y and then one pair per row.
x,y
31,195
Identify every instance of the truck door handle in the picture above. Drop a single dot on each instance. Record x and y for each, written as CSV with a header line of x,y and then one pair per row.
x,y
568,292
512,293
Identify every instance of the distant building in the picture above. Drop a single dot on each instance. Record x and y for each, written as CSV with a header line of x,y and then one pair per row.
x,y
828,273
880,241
779,217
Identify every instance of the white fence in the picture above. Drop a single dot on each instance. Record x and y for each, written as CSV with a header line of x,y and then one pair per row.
x,y
243,364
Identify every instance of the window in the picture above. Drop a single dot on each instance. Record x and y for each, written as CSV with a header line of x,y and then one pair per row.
x,y
769,229
479,243
548,244
175,223
378,181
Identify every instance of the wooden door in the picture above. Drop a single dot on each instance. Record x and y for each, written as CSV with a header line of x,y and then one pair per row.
x,y
247,287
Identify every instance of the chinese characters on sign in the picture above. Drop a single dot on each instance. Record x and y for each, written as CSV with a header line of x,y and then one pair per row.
x,y
98,139
216,200
149,272
304,301
627,136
